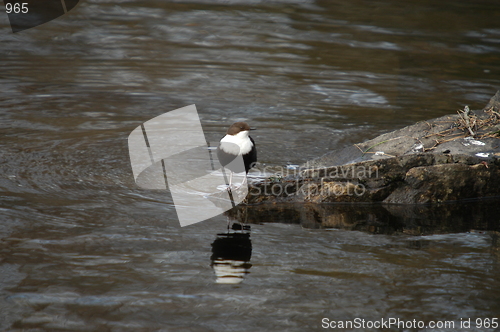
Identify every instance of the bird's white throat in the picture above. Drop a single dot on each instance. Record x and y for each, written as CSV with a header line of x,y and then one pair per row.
x,y
242,141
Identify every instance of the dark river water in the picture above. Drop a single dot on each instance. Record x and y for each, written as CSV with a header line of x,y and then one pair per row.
x,y
82,248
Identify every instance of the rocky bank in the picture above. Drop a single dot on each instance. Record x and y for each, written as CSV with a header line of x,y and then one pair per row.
x,y
449,158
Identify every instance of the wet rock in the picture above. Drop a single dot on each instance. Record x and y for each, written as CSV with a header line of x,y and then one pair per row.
x,y
414,219
449,158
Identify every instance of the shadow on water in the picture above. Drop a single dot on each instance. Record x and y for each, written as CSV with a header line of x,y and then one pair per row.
x,y
379,218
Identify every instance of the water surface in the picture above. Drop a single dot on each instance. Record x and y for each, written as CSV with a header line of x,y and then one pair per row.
x,y
82,248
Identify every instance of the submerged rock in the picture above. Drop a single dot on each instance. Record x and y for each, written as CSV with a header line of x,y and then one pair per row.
x,y
449,158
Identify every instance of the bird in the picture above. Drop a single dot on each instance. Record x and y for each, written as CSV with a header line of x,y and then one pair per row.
x,y
237,142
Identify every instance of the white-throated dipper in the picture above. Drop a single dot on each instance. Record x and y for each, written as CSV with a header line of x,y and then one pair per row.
x,y
237,142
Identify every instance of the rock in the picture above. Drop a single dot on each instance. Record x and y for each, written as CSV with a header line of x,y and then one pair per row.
x,y
413,219
450,158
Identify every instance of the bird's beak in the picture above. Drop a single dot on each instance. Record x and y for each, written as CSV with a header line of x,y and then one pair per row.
x,y
253,128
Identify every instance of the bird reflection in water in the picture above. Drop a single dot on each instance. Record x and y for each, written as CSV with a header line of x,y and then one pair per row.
x,y
231,254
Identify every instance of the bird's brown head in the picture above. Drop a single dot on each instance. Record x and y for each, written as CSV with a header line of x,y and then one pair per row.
x,y
238,127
